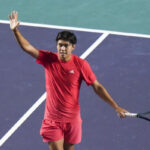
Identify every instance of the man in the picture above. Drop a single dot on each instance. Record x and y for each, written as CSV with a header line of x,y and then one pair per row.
x,y
61,126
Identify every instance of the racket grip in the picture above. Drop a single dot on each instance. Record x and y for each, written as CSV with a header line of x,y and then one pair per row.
x,y
130,114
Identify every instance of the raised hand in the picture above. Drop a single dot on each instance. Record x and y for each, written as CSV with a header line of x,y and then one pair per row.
x,y
14,23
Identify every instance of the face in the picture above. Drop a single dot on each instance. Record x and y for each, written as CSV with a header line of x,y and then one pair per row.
x,y
65,49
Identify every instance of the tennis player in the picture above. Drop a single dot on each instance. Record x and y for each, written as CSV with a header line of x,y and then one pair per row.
x,y
62,125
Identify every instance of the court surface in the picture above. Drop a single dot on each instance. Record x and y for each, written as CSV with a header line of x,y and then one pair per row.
x,y
121,64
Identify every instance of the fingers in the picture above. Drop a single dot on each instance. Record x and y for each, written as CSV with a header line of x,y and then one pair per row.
x,y
121,115
121,112
18,23
13,16
9,17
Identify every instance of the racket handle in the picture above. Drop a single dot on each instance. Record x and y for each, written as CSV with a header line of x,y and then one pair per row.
x,y
130,114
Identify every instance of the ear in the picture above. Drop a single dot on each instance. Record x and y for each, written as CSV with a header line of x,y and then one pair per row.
x,y
73,46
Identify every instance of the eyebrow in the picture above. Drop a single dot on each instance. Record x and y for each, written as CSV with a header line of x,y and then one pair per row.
x,y
60,44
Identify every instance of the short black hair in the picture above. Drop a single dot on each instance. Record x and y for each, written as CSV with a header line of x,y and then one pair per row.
x,y
66,36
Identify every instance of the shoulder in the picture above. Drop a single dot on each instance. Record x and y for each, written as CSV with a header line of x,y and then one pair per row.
x,y
79,61
47,54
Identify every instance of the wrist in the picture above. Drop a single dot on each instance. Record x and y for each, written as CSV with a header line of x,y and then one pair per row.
x,y
115,106
15,30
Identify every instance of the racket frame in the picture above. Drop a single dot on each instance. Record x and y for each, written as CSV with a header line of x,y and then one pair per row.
x,y
138,115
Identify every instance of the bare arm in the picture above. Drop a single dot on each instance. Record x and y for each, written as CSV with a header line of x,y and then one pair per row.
x,y
102,92
24,44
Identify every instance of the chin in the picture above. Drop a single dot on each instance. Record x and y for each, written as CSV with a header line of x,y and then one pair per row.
x,y
62,58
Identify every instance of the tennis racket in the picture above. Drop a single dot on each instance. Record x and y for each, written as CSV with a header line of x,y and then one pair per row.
x,y
145,115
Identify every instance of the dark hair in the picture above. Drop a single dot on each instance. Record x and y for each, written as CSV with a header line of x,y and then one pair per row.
x,y
66,36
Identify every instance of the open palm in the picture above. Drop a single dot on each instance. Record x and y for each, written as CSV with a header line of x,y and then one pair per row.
x,y
14,23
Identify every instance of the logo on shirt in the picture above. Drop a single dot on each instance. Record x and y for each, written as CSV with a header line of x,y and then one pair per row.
x,y
71,71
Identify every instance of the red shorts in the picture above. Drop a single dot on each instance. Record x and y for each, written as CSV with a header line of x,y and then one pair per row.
x,y
52,131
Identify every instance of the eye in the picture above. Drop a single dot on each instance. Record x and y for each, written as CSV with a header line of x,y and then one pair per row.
x,y
60,45
66,45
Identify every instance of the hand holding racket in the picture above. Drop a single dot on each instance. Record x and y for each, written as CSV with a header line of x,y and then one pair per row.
x,y
121,112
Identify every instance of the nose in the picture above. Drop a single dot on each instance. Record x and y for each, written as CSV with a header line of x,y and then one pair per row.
x,y
63,48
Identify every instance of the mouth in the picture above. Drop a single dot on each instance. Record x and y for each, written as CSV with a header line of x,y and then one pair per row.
x,y
62,53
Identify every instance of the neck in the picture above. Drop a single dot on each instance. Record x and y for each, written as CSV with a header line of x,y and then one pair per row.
x,y
65,58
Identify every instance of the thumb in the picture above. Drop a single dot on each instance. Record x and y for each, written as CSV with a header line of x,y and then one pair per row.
x,y
18,23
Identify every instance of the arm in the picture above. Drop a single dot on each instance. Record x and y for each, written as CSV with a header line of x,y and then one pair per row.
x,y
102,92
24,44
